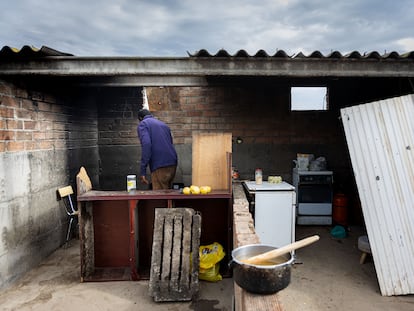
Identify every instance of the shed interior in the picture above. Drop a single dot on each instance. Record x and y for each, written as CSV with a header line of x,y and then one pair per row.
x,y
53,125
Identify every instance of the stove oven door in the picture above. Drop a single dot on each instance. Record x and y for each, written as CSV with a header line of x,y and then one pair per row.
x,y
314,199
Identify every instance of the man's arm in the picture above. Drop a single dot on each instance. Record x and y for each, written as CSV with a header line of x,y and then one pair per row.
x,y
145,139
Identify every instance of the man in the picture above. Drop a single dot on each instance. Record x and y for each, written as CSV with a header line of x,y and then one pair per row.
x,y
157,151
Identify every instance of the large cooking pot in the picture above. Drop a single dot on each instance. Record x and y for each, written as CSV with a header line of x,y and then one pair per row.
x,y
260,279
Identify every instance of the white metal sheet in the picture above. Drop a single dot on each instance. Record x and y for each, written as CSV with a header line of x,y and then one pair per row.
x,y
380,138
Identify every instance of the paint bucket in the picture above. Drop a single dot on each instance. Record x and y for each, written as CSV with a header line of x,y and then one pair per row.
x,y
131,182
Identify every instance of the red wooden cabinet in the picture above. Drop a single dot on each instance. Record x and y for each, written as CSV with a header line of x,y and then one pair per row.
x,y
116,229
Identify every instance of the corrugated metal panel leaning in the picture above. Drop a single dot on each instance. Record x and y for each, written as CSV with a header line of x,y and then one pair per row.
x,y
380,138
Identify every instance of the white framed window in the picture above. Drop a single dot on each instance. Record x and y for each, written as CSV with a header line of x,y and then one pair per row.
x,y
305,98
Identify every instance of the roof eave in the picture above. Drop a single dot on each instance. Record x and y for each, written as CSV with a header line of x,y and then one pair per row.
x,y
194,71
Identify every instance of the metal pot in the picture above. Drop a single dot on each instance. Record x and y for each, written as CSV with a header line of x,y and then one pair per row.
x,y
260,279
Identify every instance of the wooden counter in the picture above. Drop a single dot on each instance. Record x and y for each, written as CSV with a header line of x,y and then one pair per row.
x,y
116,229
97,195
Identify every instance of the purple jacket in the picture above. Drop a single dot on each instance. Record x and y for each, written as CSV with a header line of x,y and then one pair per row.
x,y
156,143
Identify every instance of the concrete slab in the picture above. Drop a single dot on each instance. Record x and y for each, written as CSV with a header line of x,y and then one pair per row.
x,y
54,285
327,276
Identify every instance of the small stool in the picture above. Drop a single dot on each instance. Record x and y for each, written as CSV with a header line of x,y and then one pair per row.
x,y
363,246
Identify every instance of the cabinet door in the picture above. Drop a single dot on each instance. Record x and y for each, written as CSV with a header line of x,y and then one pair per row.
x,y
274,217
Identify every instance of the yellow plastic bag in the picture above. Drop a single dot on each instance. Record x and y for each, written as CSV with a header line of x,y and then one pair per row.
x,y
212,274
210,256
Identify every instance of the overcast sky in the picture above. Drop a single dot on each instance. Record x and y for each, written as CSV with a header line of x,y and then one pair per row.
x,y
171,28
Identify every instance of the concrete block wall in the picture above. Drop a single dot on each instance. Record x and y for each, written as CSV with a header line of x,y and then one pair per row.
x,y
42,139
119,154
260,115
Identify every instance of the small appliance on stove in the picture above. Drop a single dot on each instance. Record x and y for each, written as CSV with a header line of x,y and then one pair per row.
x,y
314,197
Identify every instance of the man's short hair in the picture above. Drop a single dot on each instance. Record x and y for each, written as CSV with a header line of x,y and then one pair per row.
x,y
142,113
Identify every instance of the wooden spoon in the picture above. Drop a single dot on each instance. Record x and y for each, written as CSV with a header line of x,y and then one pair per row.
x,y
271,255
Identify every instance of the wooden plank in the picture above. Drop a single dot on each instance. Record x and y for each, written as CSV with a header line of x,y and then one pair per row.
x,y
65,191
210,160
245,301
168,194
86,236
83,182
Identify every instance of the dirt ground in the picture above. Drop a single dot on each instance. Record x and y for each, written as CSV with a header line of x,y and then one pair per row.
x,y
327,276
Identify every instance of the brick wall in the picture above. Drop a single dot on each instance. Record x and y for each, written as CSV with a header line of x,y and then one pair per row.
x,y
31,121
45,135
250,112
96,128
117,115
258,113
244,234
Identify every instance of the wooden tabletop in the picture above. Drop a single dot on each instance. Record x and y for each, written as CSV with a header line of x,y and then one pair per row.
x,y
170,194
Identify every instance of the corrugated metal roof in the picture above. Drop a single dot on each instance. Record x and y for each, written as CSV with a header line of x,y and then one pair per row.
x,y
29,52
202,69
315,54
380,138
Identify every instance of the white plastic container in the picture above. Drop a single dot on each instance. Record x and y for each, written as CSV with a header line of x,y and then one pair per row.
x,y
131,182
303,160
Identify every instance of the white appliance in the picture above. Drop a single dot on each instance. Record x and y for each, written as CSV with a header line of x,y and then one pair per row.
x,y
274,211
314,196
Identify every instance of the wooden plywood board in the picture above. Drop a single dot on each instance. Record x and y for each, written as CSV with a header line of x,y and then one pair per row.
x,y
211,162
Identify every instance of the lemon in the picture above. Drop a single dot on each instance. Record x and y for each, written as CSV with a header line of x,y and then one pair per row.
x,y
186,190
203,190
195,189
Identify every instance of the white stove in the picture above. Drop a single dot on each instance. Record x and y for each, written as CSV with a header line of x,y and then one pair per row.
x,y
314,197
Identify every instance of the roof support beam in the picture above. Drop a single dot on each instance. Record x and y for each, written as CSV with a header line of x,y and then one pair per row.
x,y
189,67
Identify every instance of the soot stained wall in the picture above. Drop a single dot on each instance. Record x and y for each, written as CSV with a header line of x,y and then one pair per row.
x,y
45,136
260,115
48,132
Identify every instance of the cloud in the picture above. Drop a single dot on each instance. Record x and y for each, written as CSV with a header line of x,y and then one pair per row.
x,y
406,44
171,28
